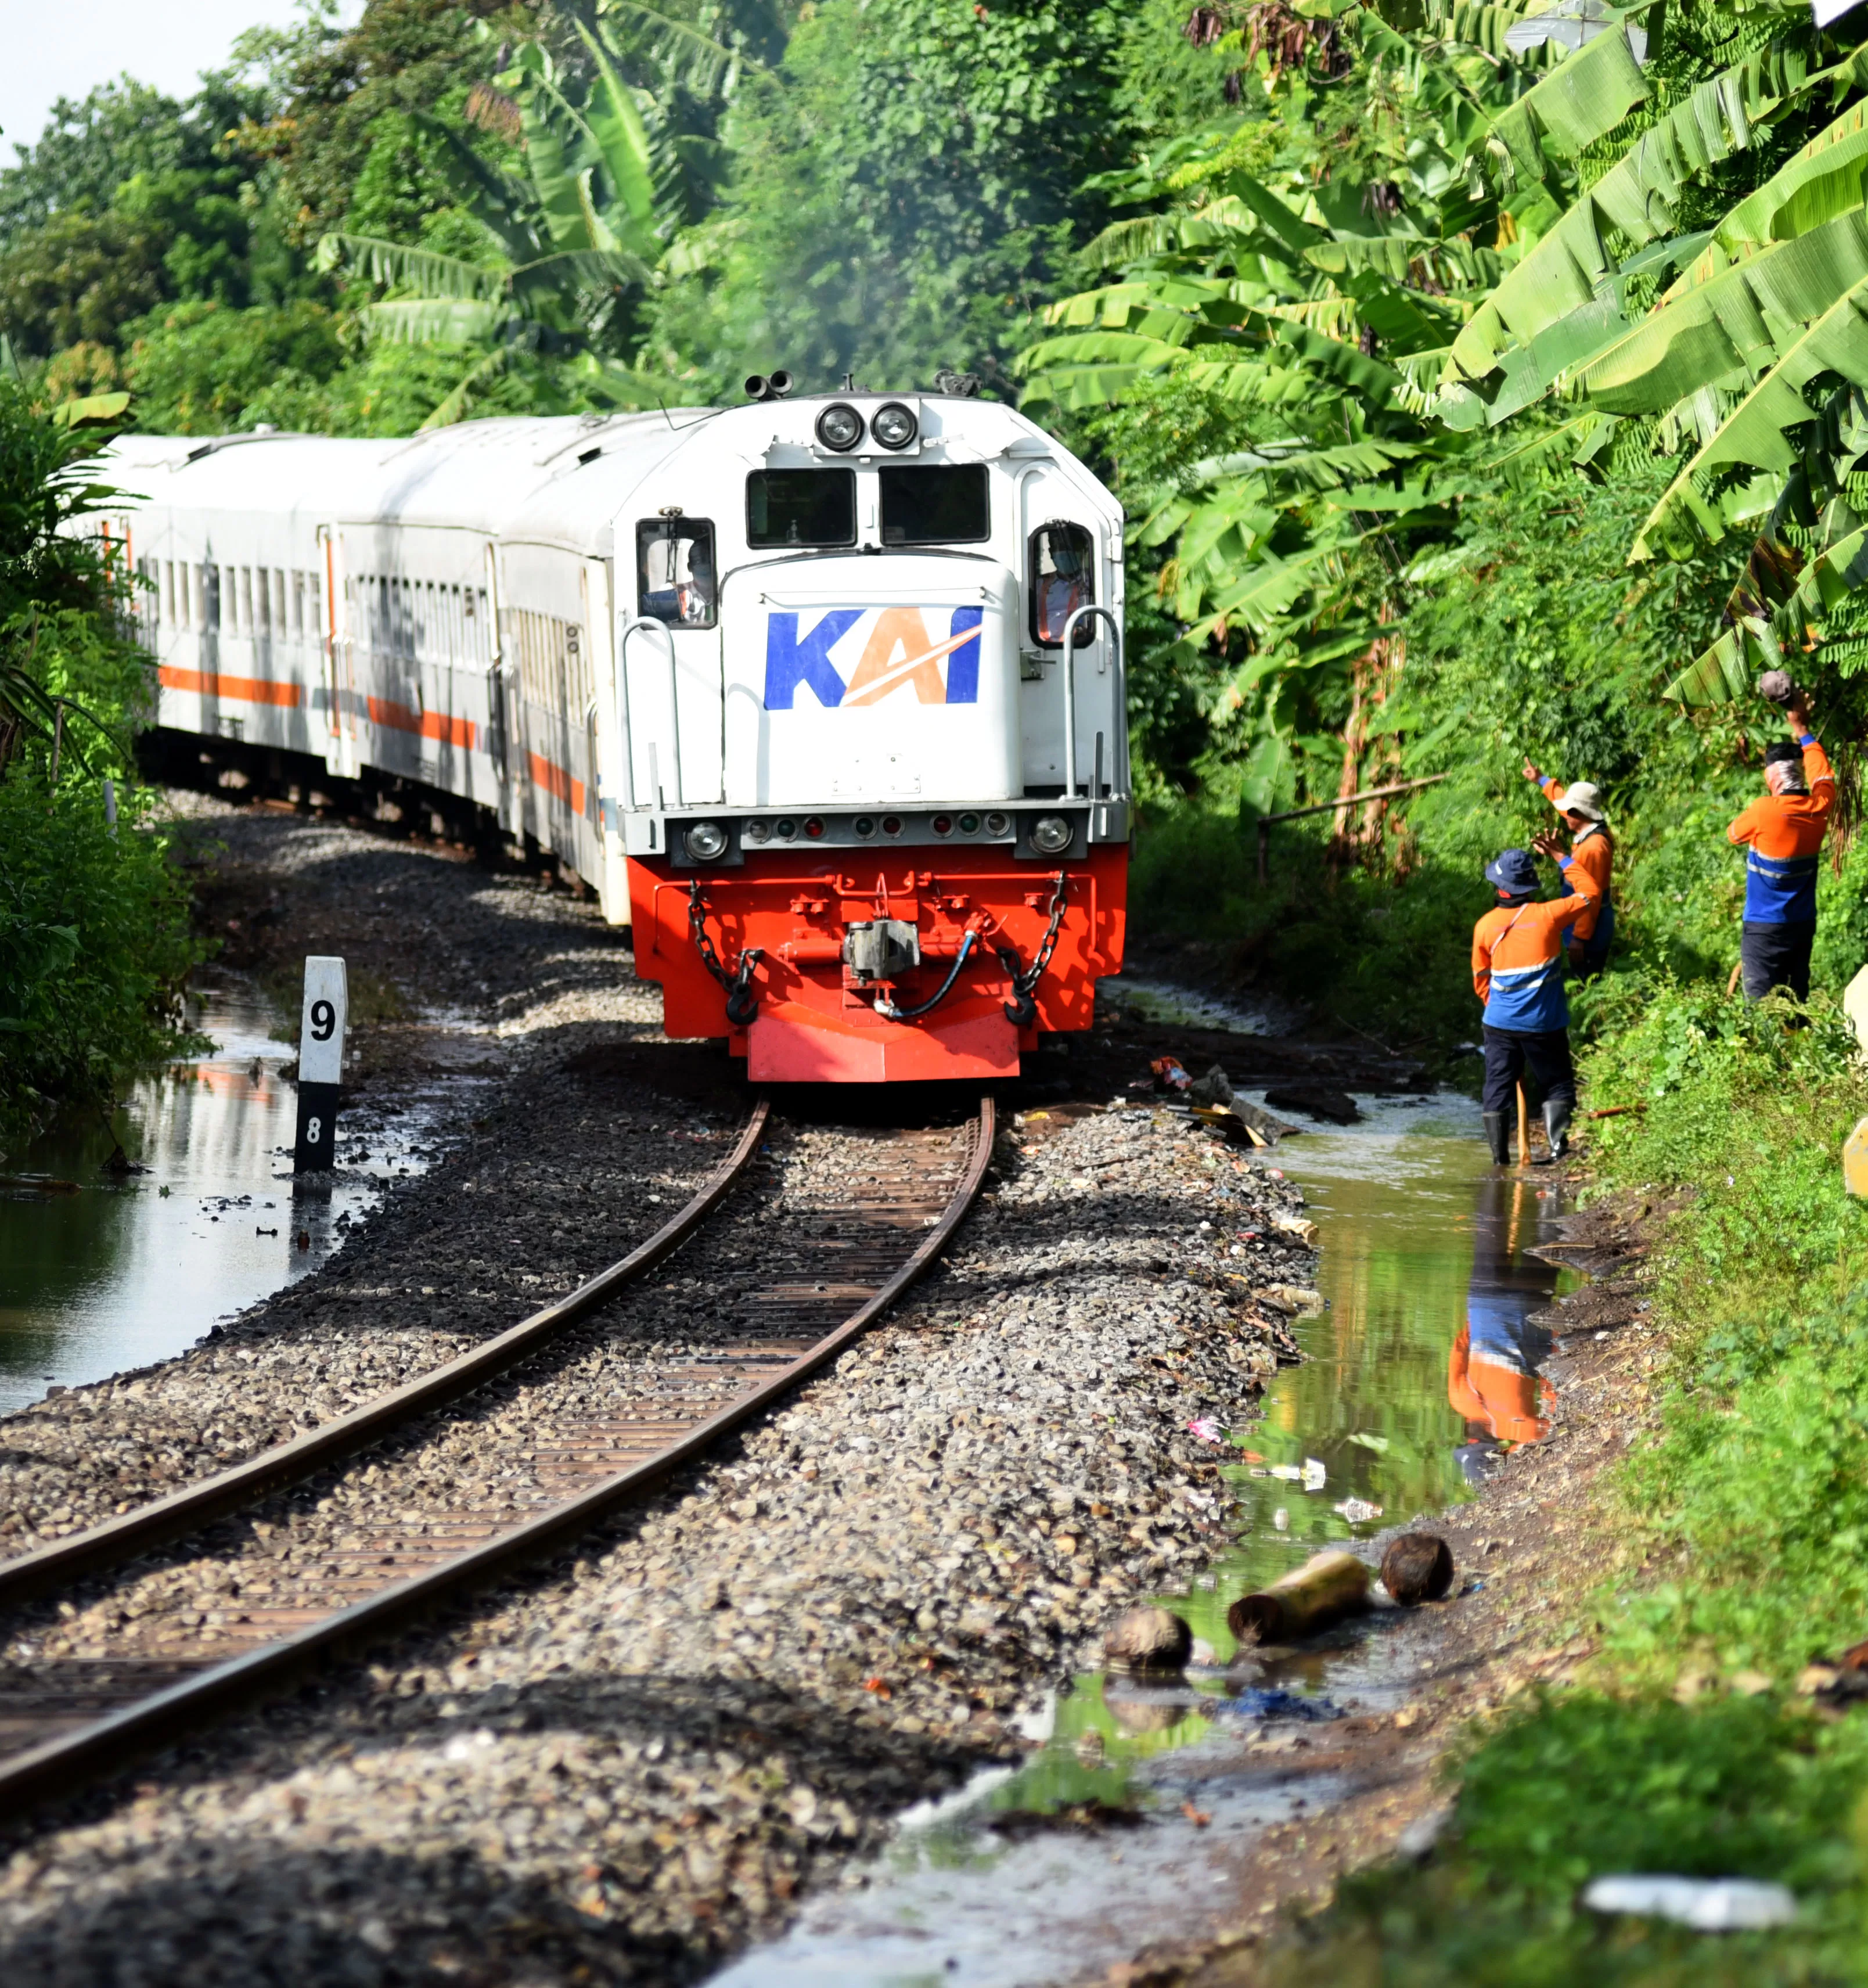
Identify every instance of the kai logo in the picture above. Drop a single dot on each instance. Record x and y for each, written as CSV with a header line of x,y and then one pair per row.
x,y
883,650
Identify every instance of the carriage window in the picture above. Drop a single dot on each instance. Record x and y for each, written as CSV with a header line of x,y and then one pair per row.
x,y
676,579
800,507
933,506
1062,580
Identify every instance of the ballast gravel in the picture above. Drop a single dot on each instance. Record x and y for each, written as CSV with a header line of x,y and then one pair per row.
x,y
626,1768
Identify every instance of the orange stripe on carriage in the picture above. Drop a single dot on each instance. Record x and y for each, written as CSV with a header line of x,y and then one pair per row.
x,y
556,781
246,690
425,723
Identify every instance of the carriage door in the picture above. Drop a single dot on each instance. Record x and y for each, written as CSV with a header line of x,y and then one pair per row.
x,y
336,692
669,667
504,716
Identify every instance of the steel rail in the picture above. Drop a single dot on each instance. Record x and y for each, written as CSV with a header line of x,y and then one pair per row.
x,y
100,1547
61,1766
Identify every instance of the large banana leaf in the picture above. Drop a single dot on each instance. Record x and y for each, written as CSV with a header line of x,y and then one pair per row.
x,y
1581,101
1639,196
616,126
1758,639
1738,324
438,320
1819,182
1753,432
423,270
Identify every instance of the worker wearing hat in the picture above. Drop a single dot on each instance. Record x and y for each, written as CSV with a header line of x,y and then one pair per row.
x,y
1593,848
1517,973
1783,829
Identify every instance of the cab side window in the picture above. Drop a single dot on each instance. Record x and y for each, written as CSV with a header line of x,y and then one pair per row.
x,y
1060,577
677,581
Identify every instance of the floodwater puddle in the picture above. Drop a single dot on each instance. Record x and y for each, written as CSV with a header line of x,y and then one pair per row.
x,y
101,1271
1133,1817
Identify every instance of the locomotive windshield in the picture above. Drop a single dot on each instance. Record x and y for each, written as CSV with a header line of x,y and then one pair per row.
x,y
675,573
935,506
800,507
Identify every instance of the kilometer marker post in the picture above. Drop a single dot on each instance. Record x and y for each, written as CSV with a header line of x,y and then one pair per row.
x,y
321,1062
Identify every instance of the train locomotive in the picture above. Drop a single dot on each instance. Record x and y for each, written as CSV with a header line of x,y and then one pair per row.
x,y
824,695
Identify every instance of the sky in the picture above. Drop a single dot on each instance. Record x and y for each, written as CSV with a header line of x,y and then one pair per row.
x,y
56,48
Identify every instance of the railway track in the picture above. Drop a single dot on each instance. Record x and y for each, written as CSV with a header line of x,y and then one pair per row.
x,y
130,1634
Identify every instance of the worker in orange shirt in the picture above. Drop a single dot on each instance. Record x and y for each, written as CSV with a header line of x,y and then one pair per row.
x,y
1784,829
1517,973
1593,847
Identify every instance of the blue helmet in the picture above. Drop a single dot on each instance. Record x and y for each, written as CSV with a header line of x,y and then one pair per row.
x,y
1512,872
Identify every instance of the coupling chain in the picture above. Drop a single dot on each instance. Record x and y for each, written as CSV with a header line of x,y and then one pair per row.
x,y
1021,1010
741,1003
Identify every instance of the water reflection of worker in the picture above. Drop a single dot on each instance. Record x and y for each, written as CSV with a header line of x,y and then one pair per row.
x,y
1492,1373
1591,851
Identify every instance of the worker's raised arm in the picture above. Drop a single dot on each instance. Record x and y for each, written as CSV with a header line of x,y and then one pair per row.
x,y
1585,893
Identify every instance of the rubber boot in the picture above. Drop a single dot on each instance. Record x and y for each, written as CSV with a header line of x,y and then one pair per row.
x,y
1497,1136
1556,1128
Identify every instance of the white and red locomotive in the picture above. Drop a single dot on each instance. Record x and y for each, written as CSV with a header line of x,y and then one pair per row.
x,y
824,696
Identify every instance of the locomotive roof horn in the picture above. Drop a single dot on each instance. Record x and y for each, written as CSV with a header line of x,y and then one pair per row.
x,y
768,387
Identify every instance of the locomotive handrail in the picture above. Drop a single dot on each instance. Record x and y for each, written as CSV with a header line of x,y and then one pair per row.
x,y
662,629
1119,763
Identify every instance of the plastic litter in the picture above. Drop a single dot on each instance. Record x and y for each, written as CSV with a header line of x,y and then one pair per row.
x,y
1358,1511
1268,1702
1206,1429
1169,1075
1707,1905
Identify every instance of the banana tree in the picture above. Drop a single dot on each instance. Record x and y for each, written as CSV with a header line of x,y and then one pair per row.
x,y
1320,301
575,235
1739,345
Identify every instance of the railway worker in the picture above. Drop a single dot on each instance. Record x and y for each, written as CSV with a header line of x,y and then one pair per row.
x,y
1784,829
1593,848
1517,973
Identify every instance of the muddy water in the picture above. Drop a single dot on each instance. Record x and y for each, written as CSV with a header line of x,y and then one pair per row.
x,y
110,1271
1420,1369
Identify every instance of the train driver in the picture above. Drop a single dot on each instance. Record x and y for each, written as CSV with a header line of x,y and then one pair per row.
x,y
678,577
1065,587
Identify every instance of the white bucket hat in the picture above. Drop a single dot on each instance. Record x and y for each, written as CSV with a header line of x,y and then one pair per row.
x,y
1583,798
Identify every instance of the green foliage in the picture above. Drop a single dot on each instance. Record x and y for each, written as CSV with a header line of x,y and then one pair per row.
x,y
905,192
94,938
1589,1785
201,368
94,943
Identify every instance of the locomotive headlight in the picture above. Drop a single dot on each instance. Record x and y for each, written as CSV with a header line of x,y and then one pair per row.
x,y
1050,834
706,839
839,426
893,425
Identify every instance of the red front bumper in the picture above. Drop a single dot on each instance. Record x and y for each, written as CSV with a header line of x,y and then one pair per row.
x,y
813,1024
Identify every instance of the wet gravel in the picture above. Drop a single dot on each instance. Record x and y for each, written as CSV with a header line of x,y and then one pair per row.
x,y
600,1129
630,1766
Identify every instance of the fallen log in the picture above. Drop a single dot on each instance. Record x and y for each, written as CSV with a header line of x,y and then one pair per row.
x,y
1325,1589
